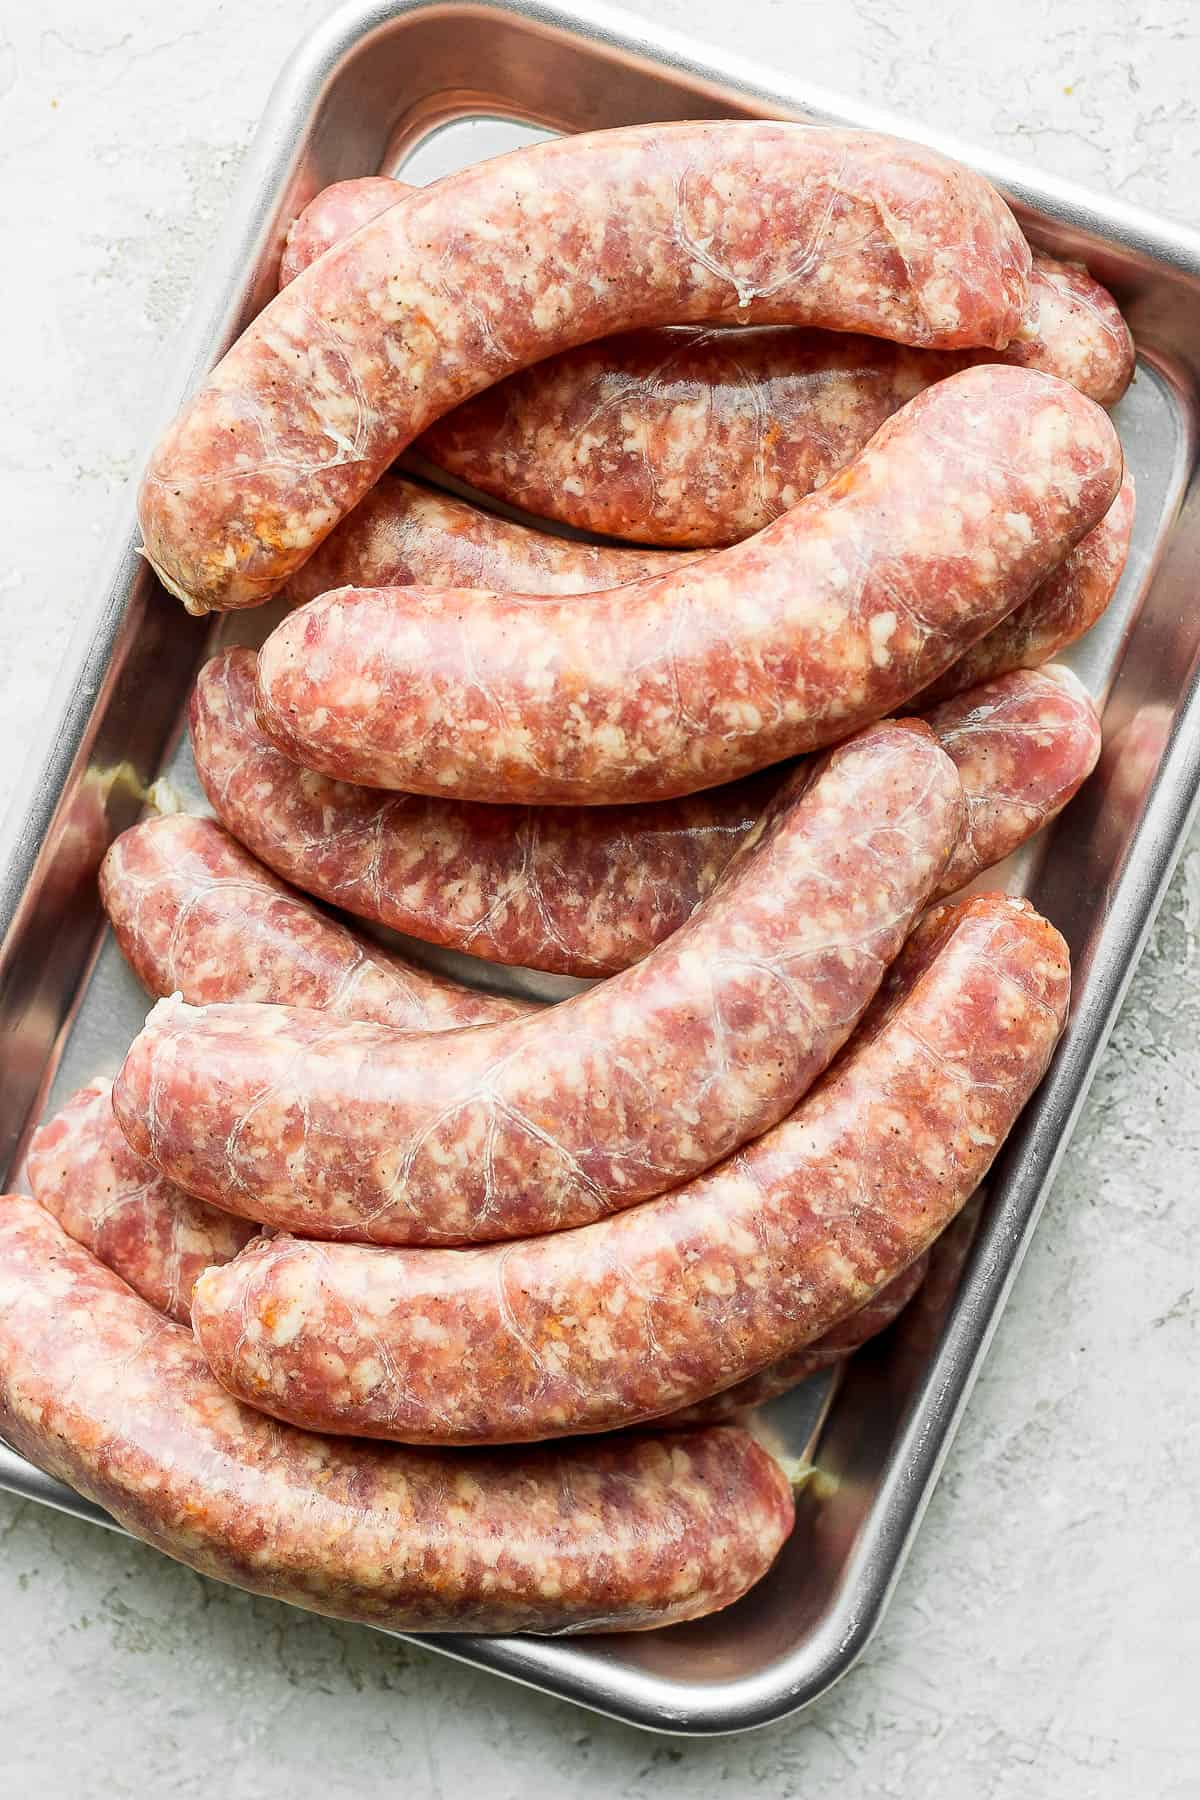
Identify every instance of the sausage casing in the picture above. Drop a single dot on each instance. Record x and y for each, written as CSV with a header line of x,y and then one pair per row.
x,y
834,615
195,914
101,1392
334,214
402,535
355,1130
698,437
1067,604
882,1310
669,1302
493,269
108,1198
589,890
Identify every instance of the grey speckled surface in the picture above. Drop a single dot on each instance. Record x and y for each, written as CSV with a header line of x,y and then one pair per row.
x,y
1045,1639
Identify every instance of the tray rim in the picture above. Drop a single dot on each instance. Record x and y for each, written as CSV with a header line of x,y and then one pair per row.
x,y
630,1694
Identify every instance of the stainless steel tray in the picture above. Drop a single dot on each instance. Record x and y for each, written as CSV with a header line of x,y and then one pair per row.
x,y
425,86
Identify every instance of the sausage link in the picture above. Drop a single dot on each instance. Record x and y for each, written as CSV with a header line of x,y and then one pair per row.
x,y
697,439
101,1392
1023,746
402,535
527,254
160,1240
349,1130
575,890
195,914
589,890
1064,607
115,1203
334,214
834,615
693,437
882,1310
669,1302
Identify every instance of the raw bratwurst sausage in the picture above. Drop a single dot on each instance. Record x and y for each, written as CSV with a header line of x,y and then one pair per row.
x,y
101,1392
882,1310
680,1298
700,438
589,890
348,1130
1064,607
195,915
687,436
491,270
108,1198
336,211
160,1240
860,596
402,535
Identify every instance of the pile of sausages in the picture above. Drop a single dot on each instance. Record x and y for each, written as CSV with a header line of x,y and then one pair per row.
x,y
851,437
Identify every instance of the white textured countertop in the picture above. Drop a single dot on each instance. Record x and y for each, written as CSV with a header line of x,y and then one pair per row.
x,y
1045,1639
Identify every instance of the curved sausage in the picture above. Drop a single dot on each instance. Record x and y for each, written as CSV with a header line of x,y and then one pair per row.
x,y
1064,607
524,255
1074,329
101,1392
589,890
882,1310
108,1198
834,615
576,890
195,914
348,1130
160,1240
678,1299
1023,747
695,437
334,214
402,535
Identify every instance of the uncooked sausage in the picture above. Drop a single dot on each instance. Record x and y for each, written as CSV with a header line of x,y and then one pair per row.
x,y
101,1392
749,222
882,1310
348,1130
402,535
669,1302
1023,746
1064,607
110,1199
336,211
576,890
834,615
697,438
589,890
686,436
160,1240
195,914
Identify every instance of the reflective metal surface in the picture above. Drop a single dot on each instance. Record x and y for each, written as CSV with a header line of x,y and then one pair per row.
x,y
426,87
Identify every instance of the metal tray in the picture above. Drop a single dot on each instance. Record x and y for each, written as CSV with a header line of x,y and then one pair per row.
x,y
425,86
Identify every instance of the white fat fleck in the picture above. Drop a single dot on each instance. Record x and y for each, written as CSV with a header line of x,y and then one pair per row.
x,y
882,629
